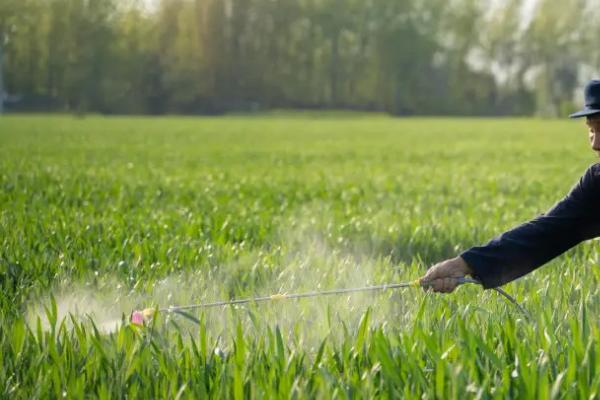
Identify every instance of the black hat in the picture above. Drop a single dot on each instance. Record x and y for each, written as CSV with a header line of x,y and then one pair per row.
x,y
592,100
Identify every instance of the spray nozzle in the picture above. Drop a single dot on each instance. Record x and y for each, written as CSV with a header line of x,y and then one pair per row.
x,y
138,317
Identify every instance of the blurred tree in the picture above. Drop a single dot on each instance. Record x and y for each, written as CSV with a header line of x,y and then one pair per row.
x,y
81,56
554,42
504,52
211,56
10,13
589,30
404,55
133,81
211,18
181,53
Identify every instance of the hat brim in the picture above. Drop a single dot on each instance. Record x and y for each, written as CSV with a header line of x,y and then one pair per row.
x,y
585,113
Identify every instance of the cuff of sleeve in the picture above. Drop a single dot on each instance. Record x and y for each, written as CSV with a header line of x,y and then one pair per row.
x,y
480,272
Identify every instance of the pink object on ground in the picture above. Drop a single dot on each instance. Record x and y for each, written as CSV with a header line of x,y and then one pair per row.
x,y
137,318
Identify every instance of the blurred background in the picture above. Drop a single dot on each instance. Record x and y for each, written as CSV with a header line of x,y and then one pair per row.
x,y
404,57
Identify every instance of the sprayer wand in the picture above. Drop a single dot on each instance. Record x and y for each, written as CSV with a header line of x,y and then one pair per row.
x,y
138,317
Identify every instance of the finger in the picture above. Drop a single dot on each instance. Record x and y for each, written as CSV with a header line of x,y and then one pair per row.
x,y
437,285
449,285
435,272
426,281
441,285
431,284
425,284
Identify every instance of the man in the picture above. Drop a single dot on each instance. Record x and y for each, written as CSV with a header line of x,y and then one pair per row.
x,y
521,250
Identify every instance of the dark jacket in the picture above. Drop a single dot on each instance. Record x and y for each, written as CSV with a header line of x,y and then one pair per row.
x,y
528,246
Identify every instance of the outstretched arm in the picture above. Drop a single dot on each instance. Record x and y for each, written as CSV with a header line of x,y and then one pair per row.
x,y
522,249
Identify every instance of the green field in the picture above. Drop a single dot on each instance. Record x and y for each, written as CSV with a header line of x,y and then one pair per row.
x,y
102,215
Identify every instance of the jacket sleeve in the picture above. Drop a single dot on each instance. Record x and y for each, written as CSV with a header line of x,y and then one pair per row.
x,y
528,246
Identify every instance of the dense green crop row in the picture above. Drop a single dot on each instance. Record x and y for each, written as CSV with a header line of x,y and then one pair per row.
x,y
101,215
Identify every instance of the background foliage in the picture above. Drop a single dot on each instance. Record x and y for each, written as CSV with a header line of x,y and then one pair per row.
x,y
467,57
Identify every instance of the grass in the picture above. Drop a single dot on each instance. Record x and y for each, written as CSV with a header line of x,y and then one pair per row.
x,y
101,215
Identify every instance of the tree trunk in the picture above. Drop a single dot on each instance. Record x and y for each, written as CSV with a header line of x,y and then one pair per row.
x,y
333,78
1,73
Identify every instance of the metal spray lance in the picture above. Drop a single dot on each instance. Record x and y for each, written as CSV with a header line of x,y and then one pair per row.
x,y
138,317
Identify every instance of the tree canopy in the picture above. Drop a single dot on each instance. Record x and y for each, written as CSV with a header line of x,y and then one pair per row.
x,y
405,57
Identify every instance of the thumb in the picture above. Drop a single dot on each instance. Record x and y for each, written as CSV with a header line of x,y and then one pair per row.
x,y
438,271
